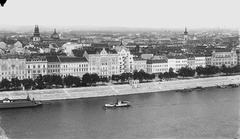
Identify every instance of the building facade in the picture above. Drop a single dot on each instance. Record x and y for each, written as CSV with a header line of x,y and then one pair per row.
x,y
140,64
53,65
36,66
104,62
12,66
74,66
224,57
125,59
157,66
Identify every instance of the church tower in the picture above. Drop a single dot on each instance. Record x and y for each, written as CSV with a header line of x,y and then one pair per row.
x,y
185,36
36,34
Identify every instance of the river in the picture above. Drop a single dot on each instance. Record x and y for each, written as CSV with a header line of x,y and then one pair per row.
x,y
210,113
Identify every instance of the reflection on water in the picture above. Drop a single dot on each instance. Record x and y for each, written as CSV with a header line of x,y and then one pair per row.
x,y
211,113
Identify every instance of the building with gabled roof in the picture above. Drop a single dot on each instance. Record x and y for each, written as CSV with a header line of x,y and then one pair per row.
x,y
104,62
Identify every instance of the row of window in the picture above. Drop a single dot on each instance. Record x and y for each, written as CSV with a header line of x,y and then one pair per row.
x,y
17,72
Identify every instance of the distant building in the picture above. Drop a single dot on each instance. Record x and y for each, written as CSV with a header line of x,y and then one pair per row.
x,y
139,64
74,66
185,35
36,65
157,66
104,62
12,66
125,59
227,57
53,65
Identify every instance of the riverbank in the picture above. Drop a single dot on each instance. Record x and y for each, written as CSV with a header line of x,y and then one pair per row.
x,y
111,90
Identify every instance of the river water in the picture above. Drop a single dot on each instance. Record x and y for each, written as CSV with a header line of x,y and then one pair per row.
x,y
210,113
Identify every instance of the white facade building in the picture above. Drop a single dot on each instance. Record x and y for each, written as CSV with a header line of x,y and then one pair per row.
x,y
157,66
104,62
125,59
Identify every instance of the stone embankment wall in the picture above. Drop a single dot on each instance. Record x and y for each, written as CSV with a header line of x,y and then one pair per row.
x,y
111,90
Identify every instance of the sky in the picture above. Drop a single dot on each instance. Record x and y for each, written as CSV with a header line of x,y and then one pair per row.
x,y
123,13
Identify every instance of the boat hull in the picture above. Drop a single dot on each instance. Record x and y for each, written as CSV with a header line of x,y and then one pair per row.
x,y
19,104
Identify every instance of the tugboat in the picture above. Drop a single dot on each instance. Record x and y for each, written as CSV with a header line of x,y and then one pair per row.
x,y
119,103
7,103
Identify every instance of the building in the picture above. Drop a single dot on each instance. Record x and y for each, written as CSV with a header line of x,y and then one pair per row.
x,y
125,59
104,62
171,62
36,35
53,65
191,62
185,35
227,57
139,64
157,66
238,56
200,60
181,61
36,65
12,66
208,58
74,66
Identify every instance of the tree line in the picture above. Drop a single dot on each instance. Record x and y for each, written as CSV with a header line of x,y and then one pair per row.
x,y
57,81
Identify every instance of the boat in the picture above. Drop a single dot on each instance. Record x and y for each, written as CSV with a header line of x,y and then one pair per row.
x,y
7,103
119,103
233,85
184,90
221,86
199,88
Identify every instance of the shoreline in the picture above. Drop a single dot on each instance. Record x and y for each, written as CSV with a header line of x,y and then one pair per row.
x,y
117,90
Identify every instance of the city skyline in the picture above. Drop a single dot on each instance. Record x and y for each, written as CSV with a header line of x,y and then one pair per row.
x,y
133,14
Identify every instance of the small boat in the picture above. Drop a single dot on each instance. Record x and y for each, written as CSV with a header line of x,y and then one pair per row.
x,y
7,103
221,86
233,85
199,88
119,103
184,90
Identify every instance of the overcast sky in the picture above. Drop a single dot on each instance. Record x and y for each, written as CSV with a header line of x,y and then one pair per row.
x,y
124,13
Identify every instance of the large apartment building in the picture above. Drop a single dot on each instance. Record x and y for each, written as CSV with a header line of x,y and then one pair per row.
x,y
140,64
104,62
12,66
74,66
157,66
224,57
36,65
125,59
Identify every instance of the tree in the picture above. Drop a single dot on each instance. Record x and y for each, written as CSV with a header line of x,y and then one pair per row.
x,y
39,82
94,78
171,73
68,80
186,72
86,79
47,80
199,70
160,75
28,83
77,81
57,80
116,77
15,83
6,84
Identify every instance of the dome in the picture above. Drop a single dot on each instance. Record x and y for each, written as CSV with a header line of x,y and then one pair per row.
x,y
55,35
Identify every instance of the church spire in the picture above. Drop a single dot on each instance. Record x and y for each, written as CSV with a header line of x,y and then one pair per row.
x,y
185,32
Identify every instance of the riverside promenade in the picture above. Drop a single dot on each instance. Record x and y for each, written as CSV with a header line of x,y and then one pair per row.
x,y
113,90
